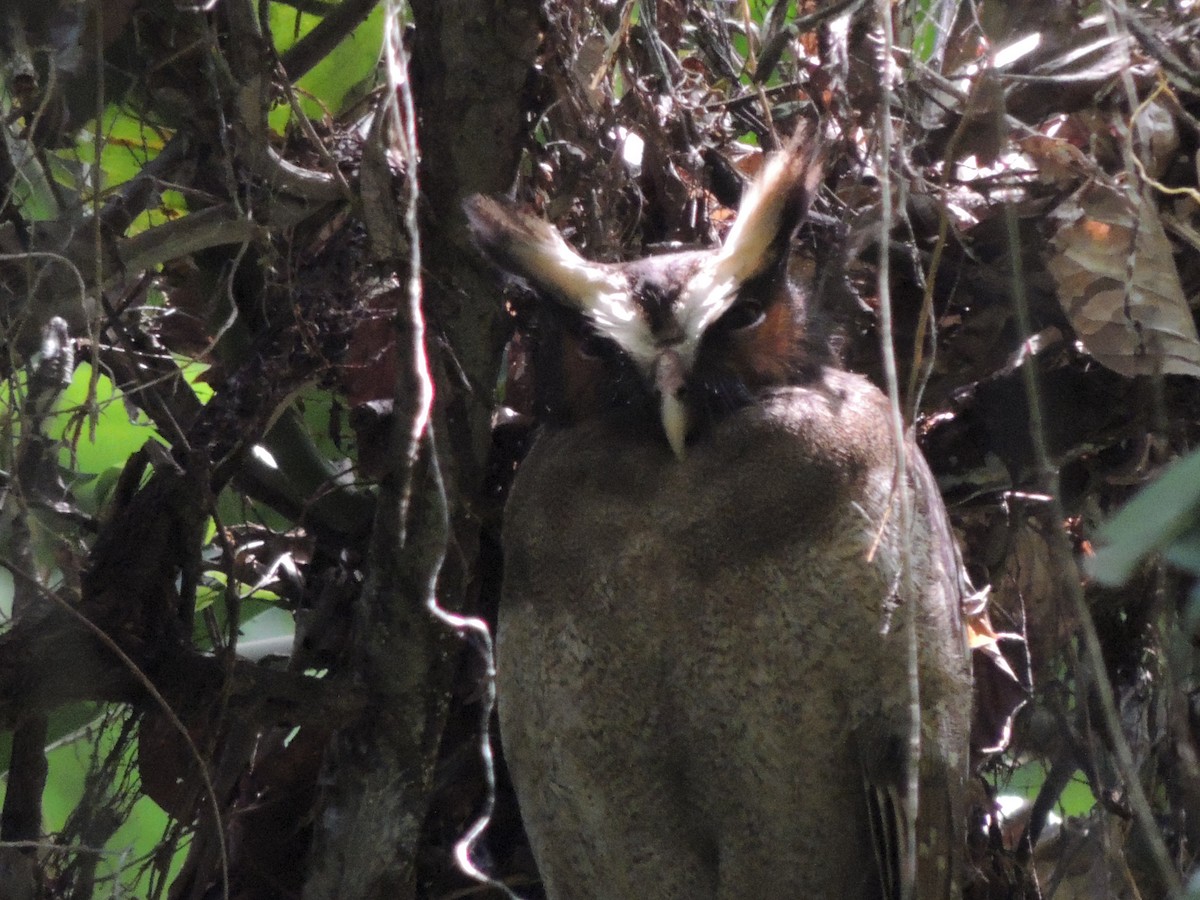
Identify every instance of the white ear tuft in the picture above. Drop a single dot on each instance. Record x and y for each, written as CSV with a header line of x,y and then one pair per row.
x,y
773,205
770,210
534,250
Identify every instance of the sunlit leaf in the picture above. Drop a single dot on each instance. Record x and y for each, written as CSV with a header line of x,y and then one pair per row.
x,y
1118,284
1160,513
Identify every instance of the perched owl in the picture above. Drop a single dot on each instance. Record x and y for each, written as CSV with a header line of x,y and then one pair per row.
x,y
704,638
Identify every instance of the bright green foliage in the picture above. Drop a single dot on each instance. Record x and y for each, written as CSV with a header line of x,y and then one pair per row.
x,y
99,430
326,89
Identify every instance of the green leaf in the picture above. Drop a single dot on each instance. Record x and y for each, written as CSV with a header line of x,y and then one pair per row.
x,y
1184,551
1026,781
1161,512
92,446
325,89
62,723
142,830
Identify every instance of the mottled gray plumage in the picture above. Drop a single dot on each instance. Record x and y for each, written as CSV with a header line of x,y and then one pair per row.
x,y
703,655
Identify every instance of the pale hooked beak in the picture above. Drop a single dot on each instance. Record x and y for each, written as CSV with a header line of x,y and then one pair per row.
x,y
669,382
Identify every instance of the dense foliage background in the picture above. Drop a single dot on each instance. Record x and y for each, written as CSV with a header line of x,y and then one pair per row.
x,y
233,268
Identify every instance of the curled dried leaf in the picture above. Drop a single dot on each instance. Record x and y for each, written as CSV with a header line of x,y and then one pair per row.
x,y
1118,284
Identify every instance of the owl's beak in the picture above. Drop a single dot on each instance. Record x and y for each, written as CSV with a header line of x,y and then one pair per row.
x,y
669,382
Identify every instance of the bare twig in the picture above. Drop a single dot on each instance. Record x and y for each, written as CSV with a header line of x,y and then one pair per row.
x,y
903,495
339,21
1069,580
148,686
190,234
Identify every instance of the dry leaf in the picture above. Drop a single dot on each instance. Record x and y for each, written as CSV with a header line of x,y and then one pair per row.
x,y
1056,161
999,691
1119,287
1157,137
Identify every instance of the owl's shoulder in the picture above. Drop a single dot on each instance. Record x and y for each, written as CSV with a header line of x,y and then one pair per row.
x,y
840,416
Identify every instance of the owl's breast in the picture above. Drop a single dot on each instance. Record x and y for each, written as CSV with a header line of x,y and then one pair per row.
x,y
775,473
632,569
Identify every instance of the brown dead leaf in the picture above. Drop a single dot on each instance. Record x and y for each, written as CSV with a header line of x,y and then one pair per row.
x,y
1118,284
1056,161
999,691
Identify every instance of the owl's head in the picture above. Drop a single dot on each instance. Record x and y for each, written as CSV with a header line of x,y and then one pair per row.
x,y
680,338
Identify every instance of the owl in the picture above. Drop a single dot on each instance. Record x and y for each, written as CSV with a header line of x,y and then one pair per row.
x,y
730,664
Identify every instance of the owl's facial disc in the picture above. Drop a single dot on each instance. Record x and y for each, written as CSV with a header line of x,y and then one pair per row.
x,y
660,310
661,353
659,333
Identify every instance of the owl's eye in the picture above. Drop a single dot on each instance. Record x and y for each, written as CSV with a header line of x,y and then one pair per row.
x,y
747,314
594,346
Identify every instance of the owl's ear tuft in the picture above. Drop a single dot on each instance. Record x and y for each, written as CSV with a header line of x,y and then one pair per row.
x,y
773,207
535,251
514,240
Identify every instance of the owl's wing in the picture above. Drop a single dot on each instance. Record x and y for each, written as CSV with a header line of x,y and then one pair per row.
x,y
935,871
885,810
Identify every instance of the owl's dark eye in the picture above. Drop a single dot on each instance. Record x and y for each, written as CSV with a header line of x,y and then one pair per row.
x,y
747,314
594,346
